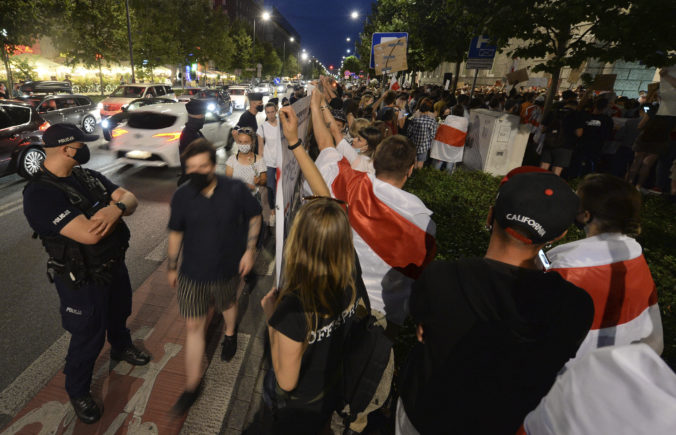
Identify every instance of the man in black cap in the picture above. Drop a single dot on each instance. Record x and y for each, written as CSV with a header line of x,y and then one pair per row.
x,y
77,213
494,332
248,118
197,110
298,93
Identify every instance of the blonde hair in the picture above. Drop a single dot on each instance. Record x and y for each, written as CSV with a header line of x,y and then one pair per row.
x,y
320,261
357,125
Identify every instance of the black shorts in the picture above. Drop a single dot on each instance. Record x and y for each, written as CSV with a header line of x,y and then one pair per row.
x,y
559,157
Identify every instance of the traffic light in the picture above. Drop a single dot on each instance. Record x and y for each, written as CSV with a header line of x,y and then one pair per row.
x,y
331,67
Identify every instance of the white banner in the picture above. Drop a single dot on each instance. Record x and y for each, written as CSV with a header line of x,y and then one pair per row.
x,y
289,180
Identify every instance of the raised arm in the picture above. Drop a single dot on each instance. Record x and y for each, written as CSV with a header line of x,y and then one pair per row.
x,y
322,134
290,128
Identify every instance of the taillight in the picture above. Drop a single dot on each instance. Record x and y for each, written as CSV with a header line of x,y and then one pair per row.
x,y
118,132
44,126
171,137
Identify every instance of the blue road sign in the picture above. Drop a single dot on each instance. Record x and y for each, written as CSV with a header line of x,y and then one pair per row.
x,y
380,37
481,54
277,80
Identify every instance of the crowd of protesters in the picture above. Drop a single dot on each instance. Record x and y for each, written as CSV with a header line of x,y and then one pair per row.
x,y
494,334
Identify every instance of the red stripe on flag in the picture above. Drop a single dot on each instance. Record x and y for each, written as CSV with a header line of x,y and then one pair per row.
x,y
398,242
621,291
450,136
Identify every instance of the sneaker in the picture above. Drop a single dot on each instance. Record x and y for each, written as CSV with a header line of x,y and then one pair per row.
x,y
186,400
86,409
229,347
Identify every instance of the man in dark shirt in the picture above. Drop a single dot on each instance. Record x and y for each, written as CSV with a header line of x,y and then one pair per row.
x,y
494,332
248,118
562,128
597,129
216,221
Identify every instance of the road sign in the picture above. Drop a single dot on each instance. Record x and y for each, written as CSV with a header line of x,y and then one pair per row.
x,y
481,54
380,37
277,80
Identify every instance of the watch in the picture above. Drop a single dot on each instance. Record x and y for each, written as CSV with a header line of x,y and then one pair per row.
x,y
121,205
296,145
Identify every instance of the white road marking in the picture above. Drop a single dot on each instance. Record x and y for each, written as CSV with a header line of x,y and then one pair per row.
x,y
159,253
11,204
11,210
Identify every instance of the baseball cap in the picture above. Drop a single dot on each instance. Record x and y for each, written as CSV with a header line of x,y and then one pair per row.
x,y
535,207
196,106
62,134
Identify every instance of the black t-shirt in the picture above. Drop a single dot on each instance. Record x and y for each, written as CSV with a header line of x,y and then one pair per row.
x,y
319,370
215,229
495,338
248,119
188,134
561,123
48,209
597,129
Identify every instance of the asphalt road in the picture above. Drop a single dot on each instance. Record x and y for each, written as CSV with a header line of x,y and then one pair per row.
x,y
30,320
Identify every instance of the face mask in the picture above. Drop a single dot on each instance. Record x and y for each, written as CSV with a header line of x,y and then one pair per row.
x,y
243,148
81,155
196,123
199,181
259,108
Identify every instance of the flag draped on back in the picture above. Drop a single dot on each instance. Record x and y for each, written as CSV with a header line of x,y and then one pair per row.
x,y
612,269
449,142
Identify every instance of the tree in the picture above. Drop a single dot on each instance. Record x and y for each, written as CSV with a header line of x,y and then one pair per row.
x,y
242,45
291,66
568,34
21,22
272,64
152,48
352,64
96,32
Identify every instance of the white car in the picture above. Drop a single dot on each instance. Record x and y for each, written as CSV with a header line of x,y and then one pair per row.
x,y
150,136
125,94
238,96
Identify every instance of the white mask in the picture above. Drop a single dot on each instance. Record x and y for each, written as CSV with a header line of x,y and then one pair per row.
x,y
243,148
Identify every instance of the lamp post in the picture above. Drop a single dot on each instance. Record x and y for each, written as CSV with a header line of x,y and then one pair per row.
x,y
265,17
131,53
291,39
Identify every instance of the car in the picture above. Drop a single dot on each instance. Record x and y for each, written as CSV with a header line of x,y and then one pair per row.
x,y
150,136
20,138
46,87
189,93
71,108
218,101
238,96
261,88
108,124
125,94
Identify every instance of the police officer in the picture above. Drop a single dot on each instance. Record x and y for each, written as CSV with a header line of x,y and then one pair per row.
x,y
192,130
77,214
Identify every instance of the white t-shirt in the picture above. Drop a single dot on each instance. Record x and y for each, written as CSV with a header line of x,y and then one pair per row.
x,y
358,161
273,143
246,173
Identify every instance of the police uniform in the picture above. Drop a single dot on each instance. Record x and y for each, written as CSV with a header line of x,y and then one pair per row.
x,y
92,280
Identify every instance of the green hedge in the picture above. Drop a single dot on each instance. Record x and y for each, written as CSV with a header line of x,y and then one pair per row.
x,y
460,204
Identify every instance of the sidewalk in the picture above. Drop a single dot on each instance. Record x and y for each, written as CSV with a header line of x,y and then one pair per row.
x,y
138,400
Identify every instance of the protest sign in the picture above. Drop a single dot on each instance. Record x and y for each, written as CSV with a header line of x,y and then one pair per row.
x,y
667,92
289,180
390,56
517,76
603,82
538,82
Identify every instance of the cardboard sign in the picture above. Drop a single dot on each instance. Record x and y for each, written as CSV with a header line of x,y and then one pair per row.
x,y
517,76
538,82
652,89
390,56
603,82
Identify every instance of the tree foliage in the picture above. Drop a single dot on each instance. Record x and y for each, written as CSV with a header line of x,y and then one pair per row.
x,y
352,64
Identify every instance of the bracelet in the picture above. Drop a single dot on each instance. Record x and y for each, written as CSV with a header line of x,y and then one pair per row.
x,y
325,106
296,145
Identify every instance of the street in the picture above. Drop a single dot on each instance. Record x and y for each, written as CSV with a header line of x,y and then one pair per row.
x,y
31,322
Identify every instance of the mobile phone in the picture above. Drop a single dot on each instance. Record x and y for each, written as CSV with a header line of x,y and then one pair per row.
x,y
646,109
544,260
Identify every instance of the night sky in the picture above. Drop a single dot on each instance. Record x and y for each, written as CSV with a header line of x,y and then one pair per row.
x,y
325,24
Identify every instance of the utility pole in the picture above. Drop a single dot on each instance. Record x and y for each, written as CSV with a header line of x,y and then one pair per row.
x,y
131,52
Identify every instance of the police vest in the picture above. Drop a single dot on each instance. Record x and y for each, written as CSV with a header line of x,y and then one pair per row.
x,y
75,262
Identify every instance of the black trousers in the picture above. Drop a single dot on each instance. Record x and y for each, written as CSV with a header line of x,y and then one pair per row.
x,y
90,313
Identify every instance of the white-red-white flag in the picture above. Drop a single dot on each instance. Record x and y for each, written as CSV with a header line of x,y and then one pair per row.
x,y
449,142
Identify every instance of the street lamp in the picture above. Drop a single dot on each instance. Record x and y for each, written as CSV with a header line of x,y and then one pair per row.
x,y
265,17
291,39
304,55
354,15
347,39
348,50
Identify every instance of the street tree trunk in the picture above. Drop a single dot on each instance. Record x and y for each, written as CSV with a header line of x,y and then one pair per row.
x,y
101,78
455,76
553,88
8,69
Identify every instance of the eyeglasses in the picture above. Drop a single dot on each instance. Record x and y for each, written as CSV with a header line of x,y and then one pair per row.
x,y
340,202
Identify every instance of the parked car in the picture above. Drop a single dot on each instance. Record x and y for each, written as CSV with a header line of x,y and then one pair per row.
x,y
262,88
150,135
189,93
238,96
125,94
218,101
20,138
110,123
75,109
46,87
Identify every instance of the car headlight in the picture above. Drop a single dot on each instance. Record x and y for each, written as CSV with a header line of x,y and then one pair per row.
x,y
211,107
99,106
105,123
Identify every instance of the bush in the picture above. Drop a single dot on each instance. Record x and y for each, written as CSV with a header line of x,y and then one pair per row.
x,y
460,203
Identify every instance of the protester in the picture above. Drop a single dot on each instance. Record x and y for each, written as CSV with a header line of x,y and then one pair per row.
x,y
449,141
245,165
192,130
215,222
494,332
422,130
248,118
269,140
597,128
620,390
609,265
562,128
360,152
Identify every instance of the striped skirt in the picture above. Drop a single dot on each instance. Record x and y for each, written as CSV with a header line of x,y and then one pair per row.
x,y
195,298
